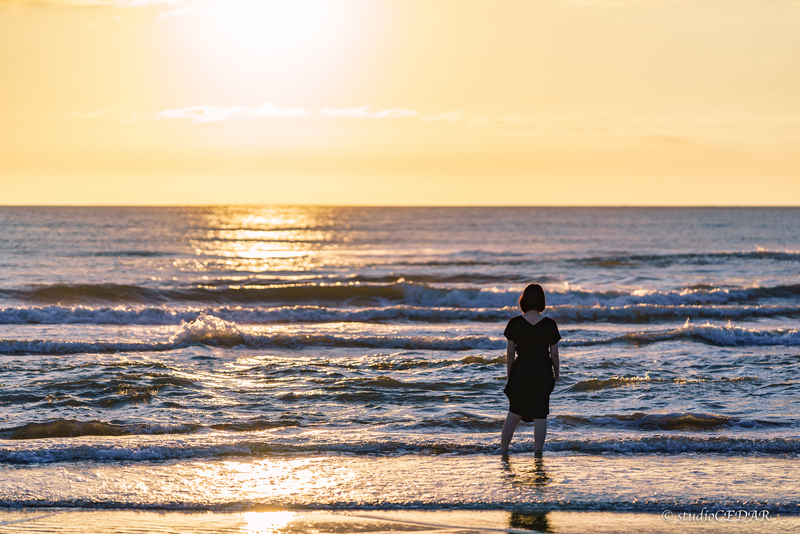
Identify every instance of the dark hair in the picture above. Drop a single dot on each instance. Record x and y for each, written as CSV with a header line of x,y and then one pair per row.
x,y
532,299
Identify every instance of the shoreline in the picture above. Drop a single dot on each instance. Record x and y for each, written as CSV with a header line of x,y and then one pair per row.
x,y
346,482
93,521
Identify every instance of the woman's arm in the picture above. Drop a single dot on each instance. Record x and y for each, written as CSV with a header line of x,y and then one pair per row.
x,y
554,357
510,351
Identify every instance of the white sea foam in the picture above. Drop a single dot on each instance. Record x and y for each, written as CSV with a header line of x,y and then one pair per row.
x,y
721,335
652,313
246,315
400,292
95,315
725,335
629,313
211,330
102,450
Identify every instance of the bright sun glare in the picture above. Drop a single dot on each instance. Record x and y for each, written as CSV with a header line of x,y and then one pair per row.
x,y
266,522
270,26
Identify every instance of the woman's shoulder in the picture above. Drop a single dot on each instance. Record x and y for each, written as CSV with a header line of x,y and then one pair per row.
x,y
555,335
516,319
511,327
550,322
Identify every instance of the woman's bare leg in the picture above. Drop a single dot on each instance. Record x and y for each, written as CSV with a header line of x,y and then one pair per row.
x,y
539,434
512,420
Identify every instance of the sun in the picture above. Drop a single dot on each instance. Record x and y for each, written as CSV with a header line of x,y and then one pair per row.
x,y
270,27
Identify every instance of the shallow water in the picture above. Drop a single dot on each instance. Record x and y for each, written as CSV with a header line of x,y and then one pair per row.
x,y
158,344
72,521
249,478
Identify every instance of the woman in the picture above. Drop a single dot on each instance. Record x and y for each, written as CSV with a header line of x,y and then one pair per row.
x,y
535,371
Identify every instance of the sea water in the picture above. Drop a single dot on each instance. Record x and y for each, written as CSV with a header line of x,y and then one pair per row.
x,y
237,358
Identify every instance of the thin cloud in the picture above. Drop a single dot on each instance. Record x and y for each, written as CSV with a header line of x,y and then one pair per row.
x,y
646,129
181,11
203,113
107,3
200,114
268,109
363,112
211,113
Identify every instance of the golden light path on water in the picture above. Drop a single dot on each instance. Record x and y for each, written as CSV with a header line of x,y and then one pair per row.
x,y
283,240
264,239
261,238
274,494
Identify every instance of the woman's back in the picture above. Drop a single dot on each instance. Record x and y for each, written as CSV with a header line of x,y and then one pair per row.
x,y
532,340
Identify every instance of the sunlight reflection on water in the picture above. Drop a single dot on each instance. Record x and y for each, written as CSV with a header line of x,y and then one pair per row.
x,y
264,358
266,522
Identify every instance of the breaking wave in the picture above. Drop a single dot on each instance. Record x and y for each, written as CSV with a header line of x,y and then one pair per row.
x,y
631,313
71,428
596,384
671,421
653,313
213,331
706,258
210,330
400,292
728,335
249,315
48,451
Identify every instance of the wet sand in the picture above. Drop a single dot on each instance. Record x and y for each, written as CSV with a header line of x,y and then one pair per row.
x,y
86,521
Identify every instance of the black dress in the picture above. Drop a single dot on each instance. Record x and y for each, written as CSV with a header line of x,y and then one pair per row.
x,y
531,381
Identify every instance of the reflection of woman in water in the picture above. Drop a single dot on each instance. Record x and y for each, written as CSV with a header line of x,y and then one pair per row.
x,y
533,374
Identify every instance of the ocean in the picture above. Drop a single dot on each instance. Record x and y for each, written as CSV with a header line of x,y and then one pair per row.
x,y
347,358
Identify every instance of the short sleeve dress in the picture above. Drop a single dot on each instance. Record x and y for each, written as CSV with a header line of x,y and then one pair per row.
x,y
531,381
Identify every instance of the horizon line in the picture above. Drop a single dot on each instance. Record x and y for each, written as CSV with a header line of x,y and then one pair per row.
x,y
437,206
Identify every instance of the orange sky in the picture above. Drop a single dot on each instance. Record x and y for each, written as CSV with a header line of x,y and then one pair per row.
x,y
414,102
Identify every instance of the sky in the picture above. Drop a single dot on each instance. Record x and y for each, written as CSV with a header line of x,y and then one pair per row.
x,y
400,102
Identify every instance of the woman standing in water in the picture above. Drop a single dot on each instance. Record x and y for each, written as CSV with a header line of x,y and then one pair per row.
x,y
532,375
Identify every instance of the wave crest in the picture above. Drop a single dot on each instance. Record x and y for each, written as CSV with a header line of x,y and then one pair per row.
x,y
209,329
631,313
669,421
72,428
728,335
43,451
596,384
382,294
